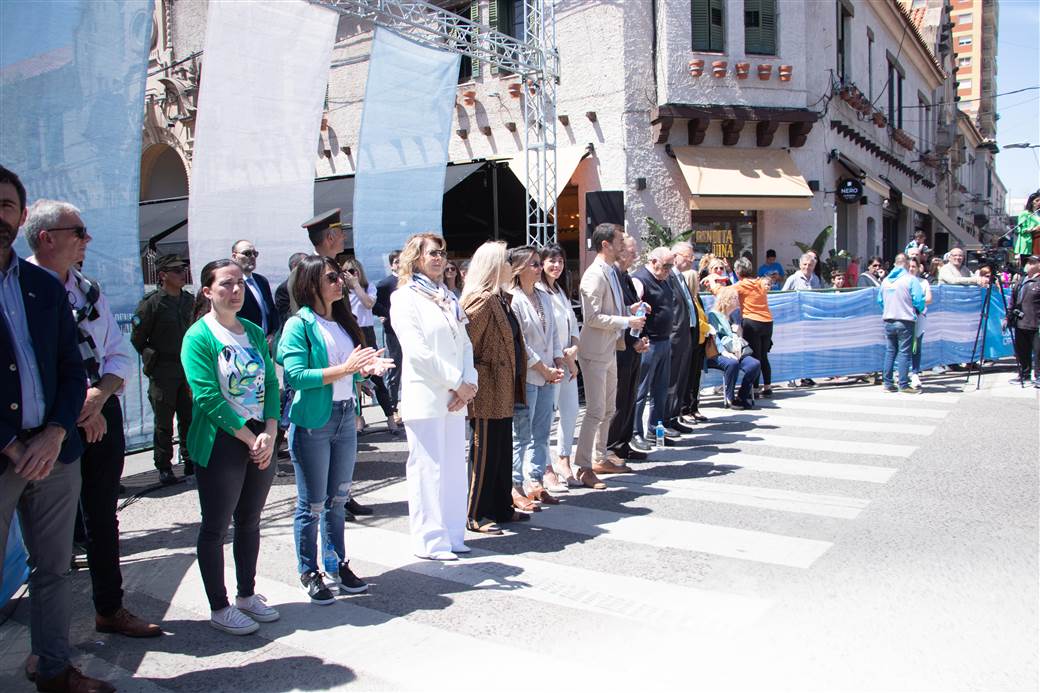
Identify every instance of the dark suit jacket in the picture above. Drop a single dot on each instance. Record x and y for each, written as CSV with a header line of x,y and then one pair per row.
x,y
381,309
281,301
680,316
56,345
251,309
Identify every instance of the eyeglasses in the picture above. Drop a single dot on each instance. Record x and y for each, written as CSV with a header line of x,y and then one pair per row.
x,y
250,253
333,277
436,253
79,231
450,269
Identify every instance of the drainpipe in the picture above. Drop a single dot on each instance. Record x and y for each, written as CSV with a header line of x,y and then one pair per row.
x,y
653,42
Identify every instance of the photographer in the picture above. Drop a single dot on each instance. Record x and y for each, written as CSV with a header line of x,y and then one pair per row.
x,y
1023,314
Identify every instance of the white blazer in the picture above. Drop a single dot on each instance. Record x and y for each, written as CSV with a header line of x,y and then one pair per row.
x,y
436,355
542,344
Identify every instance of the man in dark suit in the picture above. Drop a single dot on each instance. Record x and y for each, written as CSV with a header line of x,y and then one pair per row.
x,y
384,287
281,294
44,386
684,319
258,305
620,442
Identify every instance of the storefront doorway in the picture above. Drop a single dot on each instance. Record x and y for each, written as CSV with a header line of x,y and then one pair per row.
x,y
727,234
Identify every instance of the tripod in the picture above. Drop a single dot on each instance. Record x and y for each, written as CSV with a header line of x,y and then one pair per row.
x,y
980,347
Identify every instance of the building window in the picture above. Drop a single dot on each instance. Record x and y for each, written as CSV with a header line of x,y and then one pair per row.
x,y
508,17
964,18
924,135
844,20
760,27
964,61
964,85
707,23
895,96
870,65
964,41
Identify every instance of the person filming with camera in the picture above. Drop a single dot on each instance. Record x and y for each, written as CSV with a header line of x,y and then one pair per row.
x,y
1024,318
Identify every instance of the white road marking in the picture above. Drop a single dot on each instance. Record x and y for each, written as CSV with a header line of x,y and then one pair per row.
x,y
792,467
776,440
766,416
901,412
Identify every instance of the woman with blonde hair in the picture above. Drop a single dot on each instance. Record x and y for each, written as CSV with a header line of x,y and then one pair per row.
x,y
501,363
734,355
438,381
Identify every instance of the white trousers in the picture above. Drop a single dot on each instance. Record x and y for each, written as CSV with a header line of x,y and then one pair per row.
x,y
436,473
567,405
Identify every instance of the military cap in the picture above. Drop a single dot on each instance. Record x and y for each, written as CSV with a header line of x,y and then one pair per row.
x,y
326,220
165,263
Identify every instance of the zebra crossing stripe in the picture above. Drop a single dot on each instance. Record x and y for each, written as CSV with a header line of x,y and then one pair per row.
x,y
766,416
895,411
776,440
780,465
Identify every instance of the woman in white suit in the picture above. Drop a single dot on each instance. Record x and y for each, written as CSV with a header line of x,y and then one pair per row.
x,y
438,381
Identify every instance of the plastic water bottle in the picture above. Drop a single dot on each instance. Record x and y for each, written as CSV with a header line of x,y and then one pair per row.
x,y
640,312
659,431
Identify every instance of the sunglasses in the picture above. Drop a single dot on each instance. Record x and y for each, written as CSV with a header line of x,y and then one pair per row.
x,y
450,269
333,277
353,272
250,253
436,253
79,232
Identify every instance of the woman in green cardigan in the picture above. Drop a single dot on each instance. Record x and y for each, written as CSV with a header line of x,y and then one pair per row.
x,y
234,421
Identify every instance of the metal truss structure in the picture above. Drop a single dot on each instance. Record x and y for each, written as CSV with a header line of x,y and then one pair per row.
x,y
534,60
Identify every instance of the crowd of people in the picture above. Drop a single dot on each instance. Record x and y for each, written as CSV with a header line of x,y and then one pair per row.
x,y
481,362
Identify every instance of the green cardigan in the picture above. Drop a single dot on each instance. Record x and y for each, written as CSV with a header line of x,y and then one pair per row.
x,y
302,353
209,409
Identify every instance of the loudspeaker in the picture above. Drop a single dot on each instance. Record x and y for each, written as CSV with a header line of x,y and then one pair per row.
x,y
603,207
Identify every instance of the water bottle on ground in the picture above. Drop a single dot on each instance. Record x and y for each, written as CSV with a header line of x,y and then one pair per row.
x,y
659,431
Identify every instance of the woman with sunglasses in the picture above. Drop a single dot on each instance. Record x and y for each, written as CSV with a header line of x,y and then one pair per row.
x,y
438,381
453,278
362,298
872,277
235,409
532,420
323,351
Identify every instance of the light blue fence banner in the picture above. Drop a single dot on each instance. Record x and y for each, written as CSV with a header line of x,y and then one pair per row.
x,y
834,333
402,147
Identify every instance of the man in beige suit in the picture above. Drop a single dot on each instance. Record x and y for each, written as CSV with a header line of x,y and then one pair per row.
x,y
605,319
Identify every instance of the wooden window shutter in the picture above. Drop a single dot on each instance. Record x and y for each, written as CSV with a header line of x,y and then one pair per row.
x,y
474,15
699,20
760,27
717,25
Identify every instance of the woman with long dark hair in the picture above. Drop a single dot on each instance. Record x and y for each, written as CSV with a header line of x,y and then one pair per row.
x,y
235,410
362,298
438,381
554,282
453,278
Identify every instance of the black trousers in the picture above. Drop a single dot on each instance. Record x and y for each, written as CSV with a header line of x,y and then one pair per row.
x,y
169,397
491,470
230,487
386,403
101,467
621,426
1027,352
679,375
759,336
691,402
393,376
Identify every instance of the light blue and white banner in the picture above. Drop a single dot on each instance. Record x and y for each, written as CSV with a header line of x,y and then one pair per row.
x,y
403,146
830,333
72,76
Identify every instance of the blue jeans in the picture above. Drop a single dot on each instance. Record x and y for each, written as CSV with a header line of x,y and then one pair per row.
x,y
532,423
748,366
915,356
899,338
324,460
654,374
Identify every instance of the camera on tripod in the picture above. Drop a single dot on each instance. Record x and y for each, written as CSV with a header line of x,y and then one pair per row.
x,y
994,258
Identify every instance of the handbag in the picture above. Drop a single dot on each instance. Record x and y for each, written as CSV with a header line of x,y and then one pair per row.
x,y
711,350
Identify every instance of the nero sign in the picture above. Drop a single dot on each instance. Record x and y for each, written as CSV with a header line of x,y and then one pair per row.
x,y
850,190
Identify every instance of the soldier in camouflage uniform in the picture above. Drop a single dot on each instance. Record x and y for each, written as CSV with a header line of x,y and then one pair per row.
x,y
160,321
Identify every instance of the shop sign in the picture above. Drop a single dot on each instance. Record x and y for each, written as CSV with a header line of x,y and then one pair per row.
x,y
718,242
850,190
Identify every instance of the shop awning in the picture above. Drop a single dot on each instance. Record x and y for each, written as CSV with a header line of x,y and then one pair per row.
x,y
877,185
962,236
567,160
914,204
726,178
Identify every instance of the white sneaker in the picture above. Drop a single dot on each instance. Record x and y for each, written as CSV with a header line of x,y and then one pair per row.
x,y
915,380
256,608
939,370
231,620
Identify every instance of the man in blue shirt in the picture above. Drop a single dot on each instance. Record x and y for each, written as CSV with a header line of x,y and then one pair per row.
x,y
902,300
771,266
44,385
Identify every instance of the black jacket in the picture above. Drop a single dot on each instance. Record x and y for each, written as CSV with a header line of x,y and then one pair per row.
x,y
384,287
55,344
251,309
1026,298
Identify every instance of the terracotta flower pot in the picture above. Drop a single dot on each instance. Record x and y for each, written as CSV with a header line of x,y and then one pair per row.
x,y
785,72
765,71
742,70
469,97
696,68
718,68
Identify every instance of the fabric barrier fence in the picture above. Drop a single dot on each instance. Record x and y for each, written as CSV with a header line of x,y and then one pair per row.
x,y
259,118
403,146
820,334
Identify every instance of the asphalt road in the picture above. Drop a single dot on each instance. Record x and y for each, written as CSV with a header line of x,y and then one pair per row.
x,y
834,538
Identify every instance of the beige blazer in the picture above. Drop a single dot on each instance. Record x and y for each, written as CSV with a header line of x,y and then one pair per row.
x,y
603,325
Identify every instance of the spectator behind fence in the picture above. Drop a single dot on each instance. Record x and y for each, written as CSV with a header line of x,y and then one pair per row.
x,y
556,282
915,268
838,279
732,354
954,271
235,402
500,359
59,240
901,298
717,275
44,386
324,351
805,278
872,277
756,320
771,266
532,418
438,381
